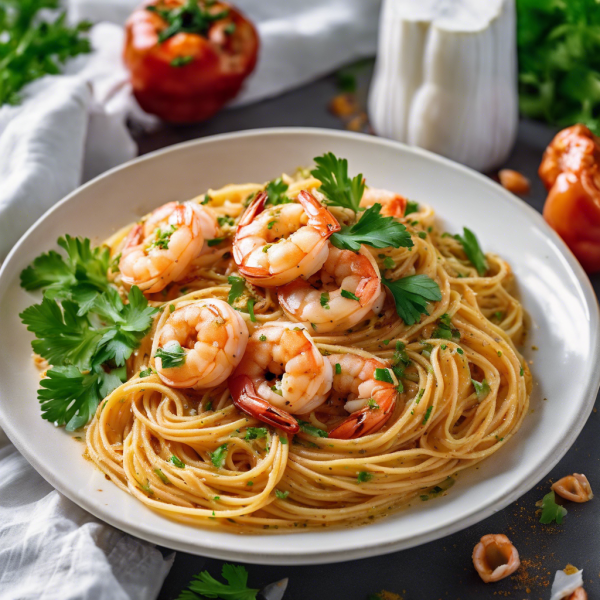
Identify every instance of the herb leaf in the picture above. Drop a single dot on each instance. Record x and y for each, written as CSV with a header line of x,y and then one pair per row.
x,y
364,476
412,294
372,230
338,188
411,207
551,511
306,427
481,389
473,251
218,456
172,355
207,586
253,433
238,287
444,330
383,375
276,190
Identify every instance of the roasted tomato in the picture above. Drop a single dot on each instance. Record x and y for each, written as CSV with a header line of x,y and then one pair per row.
x,y
187,58
570,171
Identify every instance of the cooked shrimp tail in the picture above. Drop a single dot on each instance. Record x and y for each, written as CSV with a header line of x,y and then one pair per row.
x,y
246,399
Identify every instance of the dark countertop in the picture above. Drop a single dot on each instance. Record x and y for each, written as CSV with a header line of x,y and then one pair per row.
x,y
440,569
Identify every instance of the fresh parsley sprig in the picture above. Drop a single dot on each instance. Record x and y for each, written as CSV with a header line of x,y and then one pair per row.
x,y
338,188
411,295
276,190
473,251
205,585
373,230
551,511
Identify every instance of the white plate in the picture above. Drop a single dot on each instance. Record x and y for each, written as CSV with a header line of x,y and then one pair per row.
x,y
554,290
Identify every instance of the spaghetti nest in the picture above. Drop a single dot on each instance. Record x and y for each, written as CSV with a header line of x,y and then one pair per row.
x,y
462,394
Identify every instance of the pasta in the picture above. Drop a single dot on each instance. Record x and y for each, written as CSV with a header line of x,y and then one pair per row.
x,y
459,395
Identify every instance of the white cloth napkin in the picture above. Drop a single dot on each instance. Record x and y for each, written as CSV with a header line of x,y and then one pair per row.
x,y
51,549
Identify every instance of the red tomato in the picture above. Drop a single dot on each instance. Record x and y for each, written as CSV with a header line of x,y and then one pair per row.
x,y
570,171
188,58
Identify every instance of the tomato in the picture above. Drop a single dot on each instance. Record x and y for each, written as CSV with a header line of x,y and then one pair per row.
x,y
188,58
570,171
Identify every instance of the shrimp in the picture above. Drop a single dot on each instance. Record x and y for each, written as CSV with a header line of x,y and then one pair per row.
x,y
574,487
370,388
282,373
275,245
495,557
213,337
340,295
160,250
392,205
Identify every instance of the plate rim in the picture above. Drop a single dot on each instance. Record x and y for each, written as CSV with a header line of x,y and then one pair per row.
x,y
373,549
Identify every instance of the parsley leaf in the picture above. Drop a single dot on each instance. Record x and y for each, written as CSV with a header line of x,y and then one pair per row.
x,y
282,495
481,389
206,585
551,511
383,375
473,250
411,207
364,476
238,287
177,462
349,295
172,355
372,230
306,427
253,433
412,294
444,330
276,190
218,456
338,188
162,238
31,45
80,277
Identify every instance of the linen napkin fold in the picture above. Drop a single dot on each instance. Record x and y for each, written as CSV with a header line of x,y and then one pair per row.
x,y
51,549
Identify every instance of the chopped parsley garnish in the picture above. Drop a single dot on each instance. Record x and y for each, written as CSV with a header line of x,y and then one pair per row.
x,y
254,433
205,585
338,188
206,200
427,415
372,404
498,315
162,476
162,238
325,300
349,295
388,262
422,235
263,338
282,495
191,17
146,373
215,242
481,389
306,427
177,462
460,351
364,476
383,375
411,207
172,355
372,230
444,330
400,354
218,456
225,220
209,405
238,287
283,440
250,309
427,349
338,369
181,61
276,190
473,250
521,372
419,396
229,28
411,295
551,511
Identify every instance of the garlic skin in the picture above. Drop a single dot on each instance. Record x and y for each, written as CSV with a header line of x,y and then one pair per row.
x,y
446,78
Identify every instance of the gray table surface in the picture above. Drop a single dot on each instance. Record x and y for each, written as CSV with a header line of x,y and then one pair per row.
x,y
440,569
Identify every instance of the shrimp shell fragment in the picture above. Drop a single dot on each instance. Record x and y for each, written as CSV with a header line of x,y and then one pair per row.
x,y
495,557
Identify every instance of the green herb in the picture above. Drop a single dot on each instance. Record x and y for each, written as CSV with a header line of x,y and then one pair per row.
x,y
460,351
218,456
372,230
400,355
422,235
419,396
263,338
349,295
205,585
427,415
372,404
338,188
411,207
206,199
238,287
146,373
551,511
473,250
191,17
325,300
338,369
79,277
282,495
172,355
412,294
254,433
271,223
276,190
444,330
250,308
306,427
481,389
177,462
498,315
181,61
33,45
215,242
217,498
266,248
250,483
209,405
383,375
427,349
229,29
162,476
521,372
389,263
364,476
162,238
283,440
225,220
